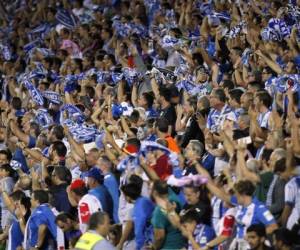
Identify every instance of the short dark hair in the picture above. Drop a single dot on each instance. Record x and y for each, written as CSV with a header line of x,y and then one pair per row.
x,y
60,148
285,236
134,141
63,174
149,97
41,196
7,168
160,187
58,131
192,215
132,190
165,93
17,195
244,187
25,201
266,154
236,94
265,98
36,128
259,229
112,58
137,180
16,103
193,102
220,94
256,85
7,153
135,115
78,63
80,191
228,84
280,165
162,124
96,219
64,217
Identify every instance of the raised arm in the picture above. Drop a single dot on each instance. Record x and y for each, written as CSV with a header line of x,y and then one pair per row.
x,y
211,186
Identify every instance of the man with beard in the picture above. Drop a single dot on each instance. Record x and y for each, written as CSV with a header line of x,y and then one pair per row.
x,y
256,237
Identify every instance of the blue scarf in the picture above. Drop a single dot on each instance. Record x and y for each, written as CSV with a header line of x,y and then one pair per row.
x,y
6,52
34,92
236,30
66,18
245,56
82,133
43,118
52,96
74,113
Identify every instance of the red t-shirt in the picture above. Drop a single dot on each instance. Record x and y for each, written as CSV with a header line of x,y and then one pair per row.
x,y
162,167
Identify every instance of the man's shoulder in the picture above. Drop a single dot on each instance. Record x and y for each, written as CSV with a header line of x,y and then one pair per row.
x,y
103,244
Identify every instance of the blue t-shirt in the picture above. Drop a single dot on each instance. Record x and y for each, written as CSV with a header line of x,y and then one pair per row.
x,y
255,213
42,215
32,142
202,235
112,186
142,212
19,156
104,197
16,236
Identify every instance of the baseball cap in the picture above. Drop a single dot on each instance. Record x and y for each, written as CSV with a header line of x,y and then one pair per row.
x,y
78,183
96,173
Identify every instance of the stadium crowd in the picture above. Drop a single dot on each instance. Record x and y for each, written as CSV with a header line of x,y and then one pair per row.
x,y
150,124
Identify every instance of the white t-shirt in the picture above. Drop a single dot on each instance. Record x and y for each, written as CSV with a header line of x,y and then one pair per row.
x,y
292,198
88,205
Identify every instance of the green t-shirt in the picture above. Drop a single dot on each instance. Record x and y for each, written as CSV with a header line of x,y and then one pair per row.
x,y
263,187
173,238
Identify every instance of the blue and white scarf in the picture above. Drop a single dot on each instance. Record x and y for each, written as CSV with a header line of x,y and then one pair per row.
x,y
245,56
39,72
45,52
182,70
285,82
169,42
82,133
40,31
236,30
32,45
277,30
34,92
43,118
121,29
52,96
103,77
73,112
6,52
131,75
71,82
193,89
66,18
116,77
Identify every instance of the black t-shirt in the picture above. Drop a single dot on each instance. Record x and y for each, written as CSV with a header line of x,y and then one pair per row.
x,y
169,113
192,132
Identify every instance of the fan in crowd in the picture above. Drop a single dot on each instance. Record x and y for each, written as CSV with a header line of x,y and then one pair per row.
x,y
150,124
